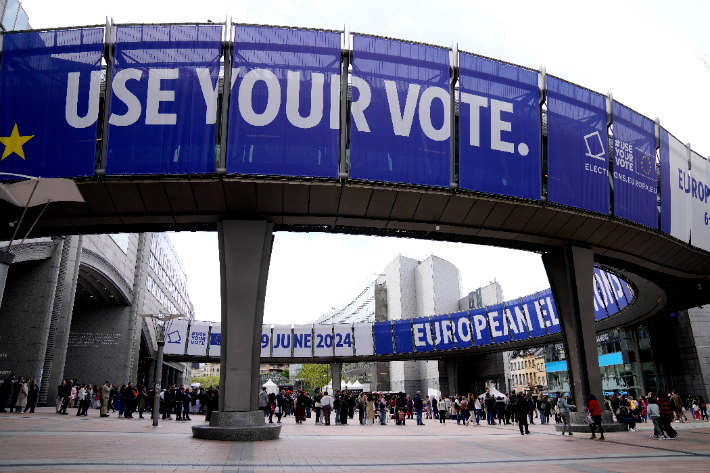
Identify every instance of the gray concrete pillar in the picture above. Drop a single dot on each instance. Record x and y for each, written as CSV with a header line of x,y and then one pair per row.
x,y
336,370
62,311
570,271
244,257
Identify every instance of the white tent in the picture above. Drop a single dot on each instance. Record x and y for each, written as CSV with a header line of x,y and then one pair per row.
x,y
357,385
349,384
271,387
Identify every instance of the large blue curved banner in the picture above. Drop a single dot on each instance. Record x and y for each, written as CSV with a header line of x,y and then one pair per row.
x,y
499,144
577,152
164,100
49,89
284,110
400,113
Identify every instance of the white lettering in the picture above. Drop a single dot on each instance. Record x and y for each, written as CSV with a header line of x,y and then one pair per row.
x,y
119,89
464,329
494,324
357,107
273,103
293,94
72,102
156,95
425,114
211,94
479,321
402,124
475,102
335,102
418,334
498,126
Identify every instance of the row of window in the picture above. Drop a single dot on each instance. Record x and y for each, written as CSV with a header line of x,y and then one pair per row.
x,y
165,257
165,279
519,365
527,378
159,295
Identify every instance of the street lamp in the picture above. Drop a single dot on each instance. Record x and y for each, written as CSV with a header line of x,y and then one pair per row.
x,y
160,323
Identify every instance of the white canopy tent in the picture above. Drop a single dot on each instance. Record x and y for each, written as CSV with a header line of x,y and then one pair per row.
x,y
271,387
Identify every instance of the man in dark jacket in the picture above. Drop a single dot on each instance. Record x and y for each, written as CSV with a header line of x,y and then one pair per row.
x,y
418,406
490,409
5,391
64,393
16,393
522,409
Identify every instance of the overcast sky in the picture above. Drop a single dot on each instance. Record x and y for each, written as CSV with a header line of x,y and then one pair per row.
x,y
653,56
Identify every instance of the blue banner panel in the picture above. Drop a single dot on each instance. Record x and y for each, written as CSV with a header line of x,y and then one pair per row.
x,y
534,316
600,297
403,336
49,87
400,113
611,306
548,309
461,328
164,100
383,338
577,144
517,319
422,334
628,291
284,111
675,188
499,144
497,323
618,286
479,323
442,332
635,188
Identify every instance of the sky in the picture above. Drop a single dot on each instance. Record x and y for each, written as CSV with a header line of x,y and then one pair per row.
x,y
654,56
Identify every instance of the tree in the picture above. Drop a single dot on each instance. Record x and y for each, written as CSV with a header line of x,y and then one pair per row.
x,y
285,374
315,376
207,381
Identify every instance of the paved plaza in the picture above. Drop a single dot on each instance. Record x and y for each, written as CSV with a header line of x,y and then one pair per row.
x,y
45,441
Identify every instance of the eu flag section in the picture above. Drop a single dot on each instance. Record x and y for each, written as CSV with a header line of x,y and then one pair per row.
x,y
675,188
499,144
284,111
49,87
163,106
400,113
700,209
577,147
634,148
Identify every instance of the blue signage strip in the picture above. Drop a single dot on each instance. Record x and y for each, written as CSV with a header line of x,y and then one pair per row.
x,y
518,320
479,325
403,336
549,311
50,83
164,100
499,144
531,306
498,324
442,332
284,111
577,143
634,149
383,338
461,328
400,113
423,341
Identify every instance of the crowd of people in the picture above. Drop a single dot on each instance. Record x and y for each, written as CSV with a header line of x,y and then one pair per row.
x,y
661,408
126,400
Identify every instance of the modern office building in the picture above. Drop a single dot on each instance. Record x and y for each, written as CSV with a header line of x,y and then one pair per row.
x,y
14,17
72,306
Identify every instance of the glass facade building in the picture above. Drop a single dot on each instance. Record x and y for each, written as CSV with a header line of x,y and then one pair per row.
x,y
625,361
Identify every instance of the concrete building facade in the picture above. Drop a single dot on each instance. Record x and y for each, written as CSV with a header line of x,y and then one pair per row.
x,y
72,305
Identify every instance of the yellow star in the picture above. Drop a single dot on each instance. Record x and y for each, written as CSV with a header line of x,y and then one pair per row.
x,y
13,143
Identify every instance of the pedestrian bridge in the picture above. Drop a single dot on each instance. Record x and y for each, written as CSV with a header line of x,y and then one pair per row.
x,y
519,323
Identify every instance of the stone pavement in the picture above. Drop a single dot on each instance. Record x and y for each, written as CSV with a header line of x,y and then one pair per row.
x,y
45,441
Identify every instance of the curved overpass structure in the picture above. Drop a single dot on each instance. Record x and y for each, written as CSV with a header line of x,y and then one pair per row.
x,y
250,129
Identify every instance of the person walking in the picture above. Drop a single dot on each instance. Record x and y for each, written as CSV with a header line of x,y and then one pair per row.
x,y
596,414
666,417
327,403
81,394
521,412
654,412
16,386
6,391
32,397
23,391
317,404
418,406
442,411
382,404
465,414
105,394
264,401
344,409
63,392
142,398
280,401
301,401
565,409
370,408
